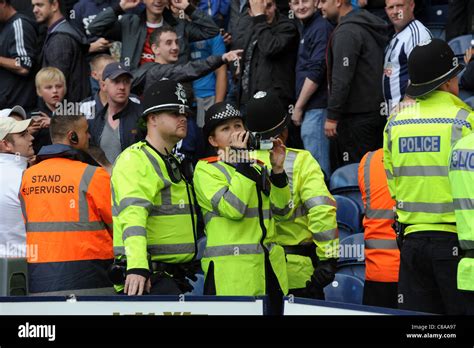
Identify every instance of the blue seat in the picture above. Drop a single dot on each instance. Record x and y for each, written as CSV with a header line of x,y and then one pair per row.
x,y
345,288
460,44
470,101
344,182
344,179
198,286
352,249
355,270
347,215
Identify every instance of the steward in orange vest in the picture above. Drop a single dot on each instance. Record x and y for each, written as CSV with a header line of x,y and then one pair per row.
x,y
67,211
382,257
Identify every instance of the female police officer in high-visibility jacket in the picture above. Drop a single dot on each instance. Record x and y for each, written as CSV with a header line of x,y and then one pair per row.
x,y
239,199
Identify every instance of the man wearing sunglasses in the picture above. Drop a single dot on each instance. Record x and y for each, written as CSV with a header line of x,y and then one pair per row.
x,y
154,218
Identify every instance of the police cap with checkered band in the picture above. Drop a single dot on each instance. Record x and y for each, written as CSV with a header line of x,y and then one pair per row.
x,y
217,114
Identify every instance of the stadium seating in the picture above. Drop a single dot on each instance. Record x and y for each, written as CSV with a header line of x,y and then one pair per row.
x,y
355,270
348,216
435,17
470,101
13,277
352,249
460,44
345,288
198,286
344,182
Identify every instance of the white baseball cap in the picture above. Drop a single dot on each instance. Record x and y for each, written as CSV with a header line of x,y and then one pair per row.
x,y
9,125
17,109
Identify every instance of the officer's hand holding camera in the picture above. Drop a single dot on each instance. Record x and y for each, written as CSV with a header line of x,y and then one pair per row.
x,y
277,156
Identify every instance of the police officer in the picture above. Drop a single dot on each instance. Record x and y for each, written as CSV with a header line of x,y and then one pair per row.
x,y
417,144
153,213
309,237
236,194
461,176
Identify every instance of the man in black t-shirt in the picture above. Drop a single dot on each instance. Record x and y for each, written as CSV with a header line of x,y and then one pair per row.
x,y
18,37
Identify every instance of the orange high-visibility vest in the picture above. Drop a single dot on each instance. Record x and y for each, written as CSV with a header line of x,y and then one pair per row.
x,y
382,257
68,216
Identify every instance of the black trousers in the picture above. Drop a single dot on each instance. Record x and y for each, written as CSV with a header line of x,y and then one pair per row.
x,y
460,18
380,294
428,272
356,135
468,301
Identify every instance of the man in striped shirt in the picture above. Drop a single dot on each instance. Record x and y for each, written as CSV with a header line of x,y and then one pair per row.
x,y
409,32
18,37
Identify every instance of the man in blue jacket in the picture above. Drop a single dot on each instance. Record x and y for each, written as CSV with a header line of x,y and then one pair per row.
x,y
115,127
311,83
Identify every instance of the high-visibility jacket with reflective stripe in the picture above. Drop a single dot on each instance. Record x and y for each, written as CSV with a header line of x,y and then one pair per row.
x,y
312,216
66,207
151,213
461,176
382,257
417,144
235,237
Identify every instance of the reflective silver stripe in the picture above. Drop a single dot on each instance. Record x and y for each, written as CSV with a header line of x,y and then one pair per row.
x,y
208,216
326,236
381,244
466,244
456,132
249,213
389,174
299,212
367,179
233,250
388,130
167,249
380,214
119,251
463,203
319,200
69,226
288,165
165,192
135,201
167,210
83,187
114,201
133,231
420,171
223,170
281,211
435,208
230,198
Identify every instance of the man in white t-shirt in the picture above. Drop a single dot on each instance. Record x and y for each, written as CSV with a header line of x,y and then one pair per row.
x,y
16,146
409,32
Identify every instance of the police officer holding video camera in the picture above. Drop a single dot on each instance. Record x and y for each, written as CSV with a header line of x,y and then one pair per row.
x,y
239,198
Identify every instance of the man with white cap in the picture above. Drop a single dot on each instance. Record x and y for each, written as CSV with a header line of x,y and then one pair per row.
x,y
16,145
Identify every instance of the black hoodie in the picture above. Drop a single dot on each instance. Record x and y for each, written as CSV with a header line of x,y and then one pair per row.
x,y
355,65
66,48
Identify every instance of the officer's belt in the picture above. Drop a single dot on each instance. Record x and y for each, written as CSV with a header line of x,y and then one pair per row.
x,y
179,270
307,250
469,254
